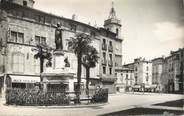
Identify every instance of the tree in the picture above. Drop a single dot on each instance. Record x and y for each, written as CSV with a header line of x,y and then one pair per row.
x,y
79,44
89,61
43,53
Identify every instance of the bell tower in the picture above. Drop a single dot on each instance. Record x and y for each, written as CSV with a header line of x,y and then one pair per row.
x,y
113,24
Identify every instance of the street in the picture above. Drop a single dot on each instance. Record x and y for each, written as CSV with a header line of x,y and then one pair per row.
x,y
117,102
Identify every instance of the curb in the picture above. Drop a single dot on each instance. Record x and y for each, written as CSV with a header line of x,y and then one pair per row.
x,y
54,106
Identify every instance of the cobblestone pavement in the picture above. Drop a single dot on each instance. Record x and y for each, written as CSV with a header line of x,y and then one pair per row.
x,y
117,102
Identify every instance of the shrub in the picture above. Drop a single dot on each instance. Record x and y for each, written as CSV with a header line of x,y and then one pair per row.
x,y
100,96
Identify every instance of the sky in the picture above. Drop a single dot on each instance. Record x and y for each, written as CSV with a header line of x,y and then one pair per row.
x,y
150,28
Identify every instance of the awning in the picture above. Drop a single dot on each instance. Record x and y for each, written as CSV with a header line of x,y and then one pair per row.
x,y
136,86
57,81
108,79
24,79
120,85
153,86
147,86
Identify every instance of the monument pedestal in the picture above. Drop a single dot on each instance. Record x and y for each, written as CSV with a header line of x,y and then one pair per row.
x,y
58,75
59,60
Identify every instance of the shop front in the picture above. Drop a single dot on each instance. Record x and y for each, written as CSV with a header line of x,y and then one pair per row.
x,y
22,81
109,83
120,87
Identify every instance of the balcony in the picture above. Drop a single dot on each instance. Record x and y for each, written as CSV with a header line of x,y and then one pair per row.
x,y
104,46
110,63
110,48
104,62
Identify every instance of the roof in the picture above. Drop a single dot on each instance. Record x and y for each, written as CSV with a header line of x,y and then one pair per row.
x,y
13,5
159,58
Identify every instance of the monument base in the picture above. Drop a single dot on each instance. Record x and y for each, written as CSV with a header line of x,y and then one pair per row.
x,y
59,60
58,76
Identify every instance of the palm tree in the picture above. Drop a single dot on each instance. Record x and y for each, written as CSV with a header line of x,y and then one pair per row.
x,y
89,61
78,44
43,53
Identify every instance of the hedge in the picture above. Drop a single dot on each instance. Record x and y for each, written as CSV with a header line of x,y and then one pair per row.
x,y
34,97
101,96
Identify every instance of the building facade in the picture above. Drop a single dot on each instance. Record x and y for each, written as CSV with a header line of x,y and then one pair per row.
x,y
173,72
125,79
157,72
142,73
23,27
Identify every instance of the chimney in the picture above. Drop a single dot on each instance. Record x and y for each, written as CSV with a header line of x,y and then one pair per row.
x,y
73,17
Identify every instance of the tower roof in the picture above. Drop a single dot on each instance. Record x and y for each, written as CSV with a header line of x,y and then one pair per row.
x,y
112,14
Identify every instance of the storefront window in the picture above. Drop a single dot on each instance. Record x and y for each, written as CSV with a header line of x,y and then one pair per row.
x,y
19,85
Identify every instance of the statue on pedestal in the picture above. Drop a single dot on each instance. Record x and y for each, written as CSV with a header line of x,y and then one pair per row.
x,y
58,37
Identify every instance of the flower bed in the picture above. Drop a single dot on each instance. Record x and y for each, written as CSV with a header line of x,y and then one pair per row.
x,y
35,97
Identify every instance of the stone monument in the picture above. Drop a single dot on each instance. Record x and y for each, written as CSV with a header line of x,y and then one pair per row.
x,y
58,53
60,74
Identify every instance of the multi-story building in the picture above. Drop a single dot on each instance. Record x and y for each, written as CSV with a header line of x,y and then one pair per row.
x,y
22,27
157,72
173,72
125,79
142,72
111,50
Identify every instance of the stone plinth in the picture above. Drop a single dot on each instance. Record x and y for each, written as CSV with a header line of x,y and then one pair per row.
x,y
58,74
59,60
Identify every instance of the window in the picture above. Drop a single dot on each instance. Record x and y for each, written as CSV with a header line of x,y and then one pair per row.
x,y
37,40
110,71
20,38
126,76
117,31
110,43
104,56
104,41
42,19
135,68
104,46
93,33
39,18
136,80
104,70
24,3
18,62
17,37
13,36
73,27
147,68
110,57
40,40
43,40
147,78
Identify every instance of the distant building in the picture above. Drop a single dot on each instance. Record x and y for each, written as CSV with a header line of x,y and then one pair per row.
x,y
142,72
173,69
157,72
22,27
125,79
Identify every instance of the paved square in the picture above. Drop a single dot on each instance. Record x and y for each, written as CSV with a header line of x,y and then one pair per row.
x,y
117,102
